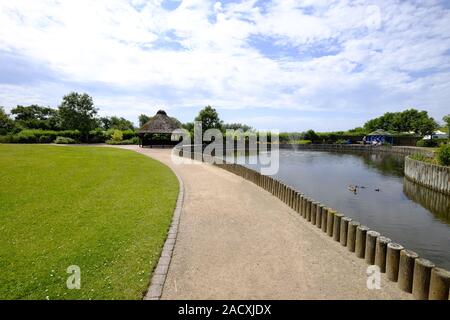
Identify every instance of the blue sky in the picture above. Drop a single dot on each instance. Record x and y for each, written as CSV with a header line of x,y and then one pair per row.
x,y
280,64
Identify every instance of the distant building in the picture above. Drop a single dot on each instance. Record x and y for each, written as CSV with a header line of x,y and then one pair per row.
x,y
158,130
436,135
380,136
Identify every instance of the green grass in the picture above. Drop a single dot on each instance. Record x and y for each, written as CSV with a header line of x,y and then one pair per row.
x,y
103,209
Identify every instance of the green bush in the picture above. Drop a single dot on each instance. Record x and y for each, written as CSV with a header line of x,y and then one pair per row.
x,y
134,140
45,139
64,140
128,134
97,136
430,143
443,155
6,139
117,136
423,158
34,135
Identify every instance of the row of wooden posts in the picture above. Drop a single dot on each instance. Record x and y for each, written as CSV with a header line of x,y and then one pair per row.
x,y
413,274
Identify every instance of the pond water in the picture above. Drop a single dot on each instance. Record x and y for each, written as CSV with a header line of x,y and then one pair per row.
x,y
414,216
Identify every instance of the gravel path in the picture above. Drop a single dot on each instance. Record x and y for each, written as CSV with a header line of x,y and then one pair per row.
x,y
237,241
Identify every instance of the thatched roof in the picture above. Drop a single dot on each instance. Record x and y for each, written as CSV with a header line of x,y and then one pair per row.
x,y
160,123
380,132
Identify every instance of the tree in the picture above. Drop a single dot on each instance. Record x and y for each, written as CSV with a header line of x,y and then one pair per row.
x,y
6,123
447,123
116,123
236,126
143,119
209,118
310,135
36,117
408,120
77,112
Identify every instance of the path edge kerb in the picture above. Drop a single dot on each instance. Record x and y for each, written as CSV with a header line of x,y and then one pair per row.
x,y
159,274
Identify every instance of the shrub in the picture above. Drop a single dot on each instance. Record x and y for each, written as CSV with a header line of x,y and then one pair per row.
x,y
128,134
430,143
6,139
134,140
64,140
73,134
45,139
117,136
443,155
34,135
97,136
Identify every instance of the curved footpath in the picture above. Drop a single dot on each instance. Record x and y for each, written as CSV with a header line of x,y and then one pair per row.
x,y
237,241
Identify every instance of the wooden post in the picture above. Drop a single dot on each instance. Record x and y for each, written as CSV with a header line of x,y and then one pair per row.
x,y
360,245
330,221
324,219
406,270
371,243
319,216
439,284
421,278
351,235
380,252
308,209
313,212
337,226
393,260
344,230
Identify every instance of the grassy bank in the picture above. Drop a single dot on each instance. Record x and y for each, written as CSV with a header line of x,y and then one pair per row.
x,y
102,209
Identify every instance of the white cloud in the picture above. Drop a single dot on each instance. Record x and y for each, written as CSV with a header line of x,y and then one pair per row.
x,y
393,52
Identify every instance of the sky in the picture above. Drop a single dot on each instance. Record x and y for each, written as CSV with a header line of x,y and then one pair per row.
x,y
279,64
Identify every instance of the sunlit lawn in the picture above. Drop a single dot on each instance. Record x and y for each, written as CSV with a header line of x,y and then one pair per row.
x,y
105,210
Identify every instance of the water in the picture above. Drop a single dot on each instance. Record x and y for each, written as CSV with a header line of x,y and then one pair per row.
x,y
414,216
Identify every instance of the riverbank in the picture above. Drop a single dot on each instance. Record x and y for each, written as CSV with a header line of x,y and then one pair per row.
x,y
237,241
430,175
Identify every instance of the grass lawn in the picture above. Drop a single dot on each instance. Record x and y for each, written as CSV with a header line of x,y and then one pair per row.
x,y
103,209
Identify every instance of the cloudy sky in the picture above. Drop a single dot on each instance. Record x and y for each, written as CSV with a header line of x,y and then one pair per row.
x,y
290,65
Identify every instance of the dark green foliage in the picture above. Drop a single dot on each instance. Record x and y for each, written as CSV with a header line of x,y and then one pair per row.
x,y
6,123
45,139
143,119
237,126
116,123
97,136
36,117
443,155
405,121
134,140
209,118
430,143
77,112
34,135
310,135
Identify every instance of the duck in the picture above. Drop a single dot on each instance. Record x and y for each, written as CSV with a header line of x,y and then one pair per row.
x,y
352,188
377,190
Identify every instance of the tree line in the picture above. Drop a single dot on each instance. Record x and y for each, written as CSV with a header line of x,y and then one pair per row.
x,y
77,112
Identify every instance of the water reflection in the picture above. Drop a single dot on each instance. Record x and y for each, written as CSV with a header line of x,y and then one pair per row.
x,y
436,202
409,214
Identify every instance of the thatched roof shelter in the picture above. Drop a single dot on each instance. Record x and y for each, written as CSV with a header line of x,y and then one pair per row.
x,y
157,131
160,123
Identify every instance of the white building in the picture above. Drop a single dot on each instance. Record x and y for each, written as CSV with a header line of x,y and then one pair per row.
x,y
436,135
